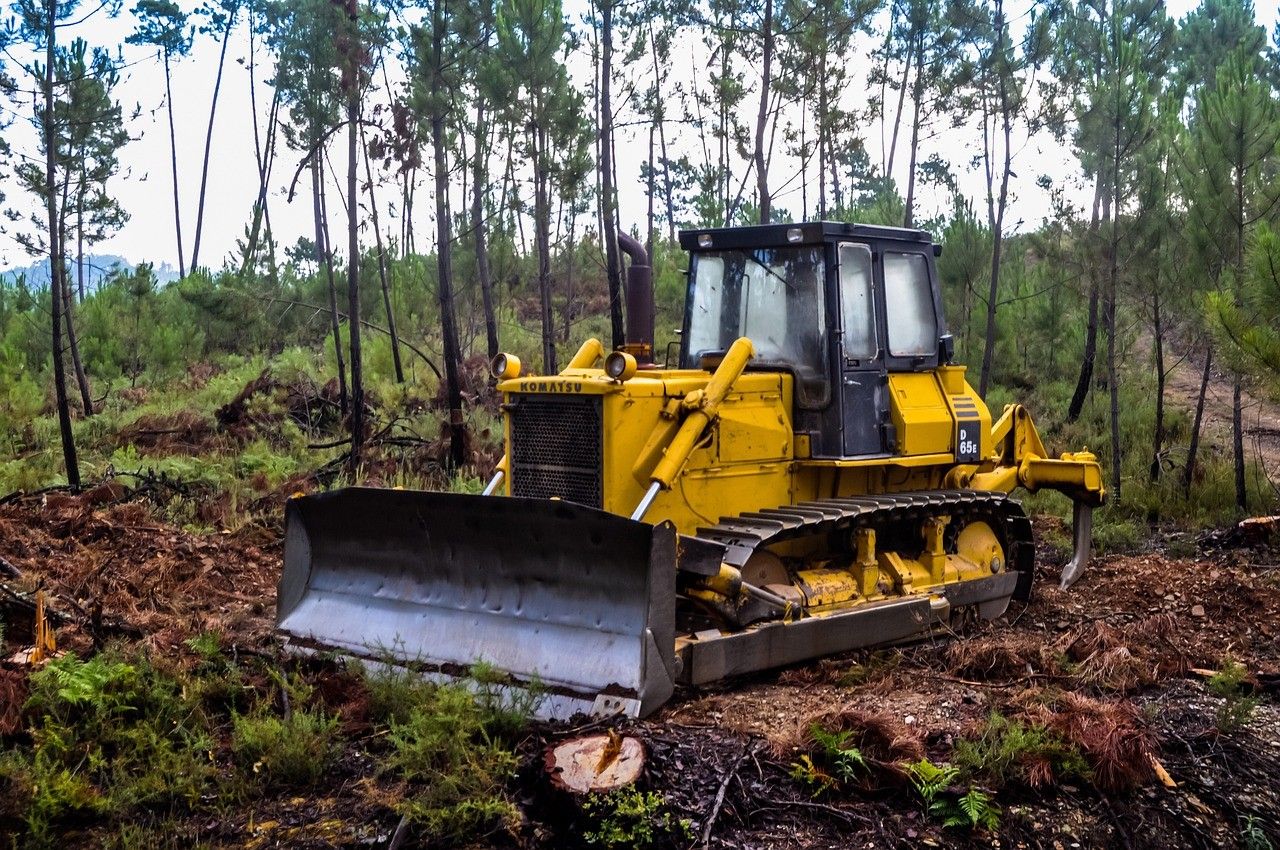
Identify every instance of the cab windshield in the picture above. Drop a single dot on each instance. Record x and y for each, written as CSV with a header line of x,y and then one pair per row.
x,y
771,295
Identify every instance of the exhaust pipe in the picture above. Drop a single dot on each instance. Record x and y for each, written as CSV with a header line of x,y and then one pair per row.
x,y
639,297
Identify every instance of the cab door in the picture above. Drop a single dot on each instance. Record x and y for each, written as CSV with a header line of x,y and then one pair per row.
x,y
863,399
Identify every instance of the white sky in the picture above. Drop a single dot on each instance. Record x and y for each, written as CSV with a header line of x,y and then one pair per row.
x,y
143,185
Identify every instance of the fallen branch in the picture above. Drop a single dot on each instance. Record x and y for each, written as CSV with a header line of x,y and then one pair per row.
x,y
724,787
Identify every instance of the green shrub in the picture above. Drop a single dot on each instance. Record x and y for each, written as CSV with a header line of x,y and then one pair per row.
x,y
108,735
633,819
1237,707
294,750
455,768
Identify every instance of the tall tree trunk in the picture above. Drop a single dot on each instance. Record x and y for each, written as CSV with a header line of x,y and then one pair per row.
x,y
649,189
1091,328
208,137
262,155
542,240
1237,423
479,186
609,210
897,118
173,161
1157,437
908,219
1113,275
1188,471
762,115
997,232
662,141
55,254
382,267
444,251
324,263
73,342
353,243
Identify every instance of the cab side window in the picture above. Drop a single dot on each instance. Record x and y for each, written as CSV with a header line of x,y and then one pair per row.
x,y
857,303
913,326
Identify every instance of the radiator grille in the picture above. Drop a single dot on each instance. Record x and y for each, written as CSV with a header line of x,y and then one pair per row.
x,y
556,448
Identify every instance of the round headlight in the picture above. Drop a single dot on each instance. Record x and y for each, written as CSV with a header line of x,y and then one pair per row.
x,y
620,365
505,367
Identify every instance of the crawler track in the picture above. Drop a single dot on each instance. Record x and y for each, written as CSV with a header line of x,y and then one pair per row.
x,y
748,532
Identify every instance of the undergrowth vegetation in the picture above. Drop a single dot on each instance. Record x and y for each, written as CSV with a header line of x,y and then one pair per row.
x,y
124,749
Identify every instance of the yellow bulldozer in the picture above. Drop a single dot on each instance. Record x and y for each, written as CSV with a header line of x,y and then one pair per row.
x,y
809,474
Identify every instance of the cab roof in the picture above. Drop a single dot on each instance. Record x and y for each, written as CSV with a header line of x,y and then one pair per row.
x,y
812,232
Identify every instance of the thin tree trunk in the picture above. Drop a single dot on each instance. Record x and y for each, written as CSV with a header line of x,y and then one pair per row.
x,y
1113,275
662,140
1188,471
173,161
55,254
1237,424
908,219
997,232
649,189
208,137
1157,437
762,115
352,85
324,263
1091,328
444,251
542,240
897,118
382,267
609,211
73,342
479,184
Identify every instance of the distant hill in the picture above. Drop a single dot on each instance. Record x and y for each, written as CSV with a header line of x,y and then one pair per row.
x,y
96,268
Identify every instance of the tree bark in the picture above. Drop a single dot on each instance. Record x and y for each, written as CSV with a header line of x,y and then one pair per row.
x,y
662,142
542,240
609,211
1091,328
997,231
173,161
908,219
479,184
353,241
1188,471
444,251
208,137
324,262
73,342
1157,437
55,254
762,115
382,268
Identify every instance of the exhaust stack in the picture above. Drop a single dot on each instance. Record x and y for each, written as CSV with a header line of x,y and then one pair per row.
x,y
639,296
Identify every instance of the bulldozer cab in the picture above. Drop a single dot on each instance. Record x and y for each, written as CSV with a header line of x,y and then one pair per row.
x,y
837,305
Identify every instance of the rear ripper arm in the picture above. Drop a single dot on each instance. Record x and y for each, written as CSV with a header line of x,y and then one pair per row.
x,y
1019,459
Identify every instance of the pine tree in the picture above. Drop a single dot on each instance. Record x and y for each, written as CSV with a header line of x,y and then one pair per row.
x,y
1227,176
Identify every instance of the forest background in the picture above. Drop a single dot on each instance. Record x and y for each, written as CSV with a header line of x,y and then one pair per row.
x,y
1102,176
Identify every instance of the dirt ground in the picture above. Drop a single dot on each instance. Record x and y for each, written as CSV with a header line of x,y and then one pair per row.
x,y
1114,663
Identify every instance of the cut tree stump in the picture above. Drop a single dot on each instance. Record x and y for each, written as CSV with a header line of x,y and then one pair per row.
x,y
595,764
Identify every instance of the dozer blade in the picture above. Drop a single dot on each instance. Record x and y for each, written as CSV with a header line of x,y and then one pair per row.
x,y
579,601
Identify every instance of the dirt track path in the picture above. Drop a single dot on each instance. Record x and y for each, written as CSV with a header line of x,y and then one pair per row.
x,y
1261,417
